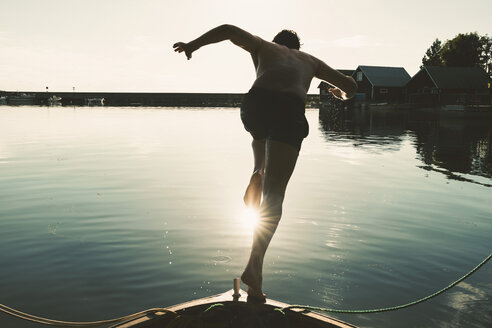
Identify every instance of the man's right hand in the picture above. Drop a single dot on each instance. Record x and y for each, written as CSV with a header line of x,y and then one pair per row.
x,y
181,46
337,93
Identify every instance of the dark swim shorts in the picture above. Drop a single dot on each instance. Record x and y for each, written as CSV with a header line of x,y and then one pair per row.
x,y
275,115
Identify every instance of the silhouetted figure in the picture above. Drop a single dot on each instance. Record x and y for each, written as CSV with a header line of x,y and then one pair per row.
x,y
273,112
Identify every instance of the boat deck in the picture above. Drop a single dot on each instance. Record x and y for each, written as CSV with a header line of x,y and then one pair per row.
x,y
224,310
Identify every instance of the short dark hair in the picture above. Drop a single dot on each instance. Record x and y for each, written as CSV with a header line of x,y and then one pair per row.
x,y
288,38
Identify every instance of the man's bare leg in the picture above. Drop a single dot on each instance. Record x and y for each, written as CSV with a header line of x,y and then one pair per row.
x,y
280,162
252,196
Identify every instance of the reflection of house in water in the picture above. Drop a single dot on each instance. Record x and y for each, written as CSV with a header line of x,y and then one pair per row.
x,y
456,86
379,129
444,144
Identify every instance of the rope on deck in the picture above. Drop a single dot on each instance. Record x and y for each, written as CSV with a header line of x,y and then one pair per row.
x,y
392,308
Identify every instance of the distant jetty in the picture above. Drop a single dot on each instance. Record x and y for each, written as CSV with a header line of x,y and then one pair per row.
x,y
133,99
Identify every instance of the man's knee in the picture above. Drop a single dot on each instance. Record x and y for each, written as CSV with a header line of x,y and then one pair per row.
x,y
274,196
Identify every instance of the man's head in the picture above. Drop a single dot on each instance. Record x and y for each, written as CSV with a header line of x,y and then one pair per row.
x,y
288,38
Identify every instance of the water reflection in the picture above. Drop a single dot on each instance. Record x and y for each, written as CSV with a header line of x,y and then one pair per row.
x,y
446,142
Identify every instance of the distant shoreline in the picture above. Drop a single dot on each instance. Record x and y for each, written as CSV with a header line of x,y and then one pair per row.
x,y
148,99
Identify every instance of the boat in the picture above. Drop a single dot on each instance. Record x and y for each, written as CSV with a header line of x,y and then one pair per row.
x,y
232,309
94,101
54,101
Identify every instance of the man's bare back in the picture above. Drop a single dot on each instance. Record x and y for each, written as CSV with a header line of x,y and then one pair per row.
x,y
283,69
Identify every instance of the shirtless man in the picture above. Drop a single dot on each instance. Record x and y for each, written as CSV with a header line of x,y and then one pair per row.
x,y
273,112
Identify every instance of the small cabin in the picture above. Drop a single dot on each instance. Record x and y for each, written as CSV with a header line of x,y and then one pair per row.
x,y
435,85
381,83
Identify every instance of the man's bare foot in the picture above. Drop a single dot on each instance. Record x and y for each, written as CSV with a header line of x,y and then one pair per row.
x,y
252,196
253,279
253,296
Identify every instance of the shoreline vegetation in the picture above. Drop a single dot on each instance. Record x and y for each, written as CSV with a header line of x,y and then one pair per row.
x,y
200,100
133,99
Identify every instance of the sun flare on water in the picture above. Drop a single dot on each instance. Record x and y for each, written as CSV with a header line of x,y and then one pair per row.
x,y
249,217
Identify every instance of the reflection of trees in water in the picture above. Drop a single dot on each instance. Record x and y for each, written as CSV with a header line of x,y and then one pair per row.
x,y
456,144
482,159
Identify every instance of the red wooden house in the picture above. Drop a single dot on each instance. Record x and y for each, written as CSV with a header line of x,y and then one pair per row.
x,y
434,85
381,83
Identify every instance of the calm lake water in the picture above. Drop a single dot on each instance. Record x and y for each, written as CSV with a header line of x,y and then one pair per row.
x,y
109,211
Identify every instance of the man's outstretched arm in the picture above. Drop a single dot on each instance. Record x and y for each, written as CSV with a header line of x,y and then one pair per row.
x,y
239,37
345,86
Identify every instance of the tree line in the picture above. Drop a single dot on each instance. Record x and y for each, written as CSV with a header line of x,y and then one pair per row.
x,y
464,50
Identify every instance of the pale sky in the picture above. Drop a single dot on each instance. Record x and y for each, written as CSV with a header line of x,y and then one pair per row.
x,y
123,45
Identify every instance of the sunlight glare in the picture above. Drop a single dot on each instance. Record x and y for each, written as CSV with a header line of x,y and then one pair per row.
x,y
249,218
